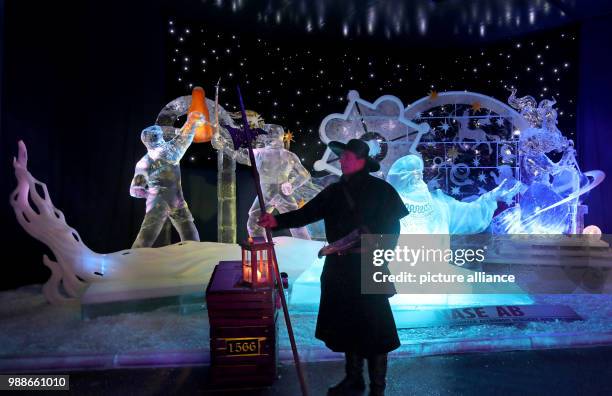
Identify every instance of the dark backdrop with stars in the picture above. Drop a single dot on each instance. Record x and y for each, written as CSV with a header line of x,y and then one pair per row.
x,y
79,83
296,82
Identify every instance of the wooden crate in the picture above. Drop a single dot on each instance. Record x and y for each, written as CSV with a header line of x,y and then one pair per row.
x,y
243,329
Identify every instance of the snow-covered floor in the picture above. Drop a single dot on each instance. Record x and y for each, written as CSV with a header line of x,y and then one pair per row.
x,y
30,326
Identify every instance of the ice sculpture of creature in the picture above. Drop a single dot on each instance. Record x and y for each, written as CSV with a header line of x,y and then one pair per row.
x,y
547,114
281,173
534,141
467,133
435,212
526,106
549,203
158,180
544,207
543,136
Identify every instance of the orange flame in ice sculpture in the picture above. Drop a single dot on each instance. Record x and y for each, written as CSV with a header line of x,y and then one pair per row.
x,y
204,132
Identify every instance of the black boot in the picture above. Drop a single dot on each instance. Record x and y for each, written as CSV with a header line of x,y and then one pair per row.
x,y
353,381
377,369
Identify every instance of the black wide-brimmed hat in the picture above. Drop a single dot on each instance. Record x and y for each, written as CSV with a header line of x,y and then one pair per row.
x,y
357,147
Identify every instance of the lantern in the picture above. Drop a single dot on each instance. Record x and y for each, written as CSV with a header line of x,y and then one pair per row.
x,y
257,262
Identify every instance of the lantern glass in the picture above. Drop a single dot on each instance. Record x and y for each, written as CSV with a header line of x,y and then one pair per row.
x,y
255,263
263,266
246,266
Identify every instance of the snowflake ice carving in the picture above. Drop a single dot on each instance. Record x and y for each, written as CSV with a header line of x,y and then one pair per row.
x,y
381,124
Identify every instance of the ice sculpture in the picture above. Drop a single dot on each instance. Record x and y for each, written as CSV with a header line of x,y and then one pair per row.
x,y
549,205
182,105
158,180
76,266
281,174
381,124
223,140
435,212
226,158
467,133
430,212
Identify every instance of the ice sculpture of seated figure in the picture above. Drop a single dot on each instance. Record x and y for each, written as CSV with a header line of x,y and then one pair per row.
x,y
158,180
435,212
430,213
281,173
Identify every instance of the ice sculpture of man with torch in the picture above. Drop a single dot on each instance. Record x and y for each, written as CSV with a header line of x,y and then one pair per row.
x,y
158,176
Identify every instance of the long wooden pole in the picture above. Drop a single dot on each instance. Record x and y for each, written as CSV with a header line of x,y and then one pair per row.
x,y
217,106
279,282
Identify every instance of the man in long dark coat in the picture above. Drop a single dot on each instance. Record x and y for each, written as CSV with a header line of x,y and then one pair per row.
x,y
360,325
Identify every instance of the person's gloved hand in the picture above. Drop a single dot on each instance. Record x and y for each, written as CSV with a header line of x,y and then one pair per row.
x,y
287,188
501,194
267,220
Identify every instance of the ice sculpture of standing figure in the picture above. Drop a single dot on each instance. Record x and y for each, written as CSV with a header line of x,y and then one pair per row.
x,y
437,213
281,173
158,179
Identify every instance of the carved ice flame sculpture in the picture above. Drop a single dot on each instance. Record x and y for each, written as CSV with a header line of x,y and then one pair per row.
x,y
76,265
47,224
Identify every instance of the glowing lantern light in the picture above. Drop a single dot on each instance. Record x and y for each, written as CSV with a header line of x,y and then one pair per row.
x,y
256,262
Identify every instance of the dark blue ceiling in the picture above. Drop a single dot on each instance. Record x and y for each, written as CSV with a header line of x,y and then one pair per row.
x,y
421,22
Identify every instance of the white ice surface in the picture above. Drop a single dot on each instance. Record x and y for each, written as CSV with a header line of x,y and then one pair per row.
x,y
294,257
306,290
29,325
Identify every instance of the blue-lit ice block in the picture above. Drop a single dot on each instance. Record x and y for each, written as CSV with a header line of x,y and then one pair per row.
x,y
306,292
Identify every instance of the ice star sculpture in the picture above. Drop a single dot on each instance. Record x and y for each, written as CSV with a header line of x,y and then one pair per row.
x,y
381,124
